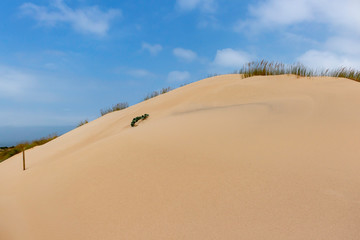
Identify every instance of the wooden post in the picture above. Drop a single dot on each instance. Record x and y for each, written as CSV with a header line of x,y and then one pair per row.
x,y
23,159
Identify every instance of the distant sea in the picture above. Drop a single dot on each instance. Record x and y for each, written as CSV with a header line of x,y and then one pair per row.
x,y
10,135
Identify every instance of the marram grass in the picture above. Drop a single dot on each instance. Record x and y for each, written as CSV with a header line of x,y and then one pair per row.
x,y
157,93
116,107
266,68
7,152
83,123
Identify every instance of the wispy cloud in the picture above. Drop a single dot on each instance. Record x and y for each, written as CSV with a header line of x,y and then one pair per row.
x,y
153,49
178,76
341,46
134,72
230,58
14,83
185,54
85,20
140,73
328,60
336,51
271,14
208,6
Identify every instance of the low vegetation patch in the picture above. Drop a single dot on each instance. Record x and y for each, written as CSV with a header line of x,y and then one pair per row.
x,y
83,123
138,118
157,93
7,152
265,68
212,75
116,107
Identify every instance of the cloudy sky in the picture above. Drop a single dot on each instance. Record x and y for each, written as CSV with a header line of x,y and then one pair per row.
x,y
62,61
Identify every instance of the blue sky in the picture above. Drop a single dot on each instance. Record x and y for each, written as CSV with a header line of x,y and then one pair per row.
x,y
62,61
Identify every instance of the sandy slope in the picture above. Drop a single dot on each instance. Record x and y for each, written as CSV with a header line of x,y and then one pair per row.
x,y
223,158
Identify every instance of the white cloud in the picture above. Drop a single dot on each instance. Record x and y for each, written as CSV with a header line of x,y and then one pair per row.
x,y
328,60
343,44
339,19
15,83
204,5
274,13
231,58
153,49
140,73
178,76
23,85
283,11
134,72
85,20
185,54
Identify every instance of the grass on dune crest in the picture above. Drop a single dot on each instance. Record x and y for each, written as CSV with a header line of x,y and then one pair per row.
x,y
157,93
116,107
83,123
7,152
265,68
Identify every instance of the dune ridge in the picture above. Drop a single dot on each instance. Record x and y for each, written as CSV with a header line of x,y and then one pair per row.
x,y
272,157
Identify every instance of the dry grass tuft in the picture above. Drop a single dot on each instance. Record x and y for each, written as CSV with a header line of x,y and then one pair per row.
x,y
83,123
116,107
157,93
265,68
7,152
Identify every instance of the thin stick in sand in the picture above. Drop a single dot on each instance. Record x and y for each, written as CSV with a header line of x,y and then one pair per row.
x,y
24,159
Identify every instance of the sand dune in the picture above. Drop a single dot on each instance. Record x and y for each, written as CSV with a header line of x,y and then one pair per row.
x,y
274,157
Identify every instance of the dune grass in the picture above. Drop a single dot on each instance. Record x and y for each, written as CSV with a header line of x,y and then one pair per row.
x,y
266,68
7,152
116,107
82,123
157,93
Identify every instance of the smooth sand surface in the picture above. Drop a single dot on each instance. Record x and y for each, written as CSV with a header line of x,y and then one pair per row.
x,y
274,157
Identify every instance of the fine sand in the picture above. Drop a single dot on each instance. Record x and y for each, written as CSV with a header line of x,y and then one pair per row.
x,y
274,157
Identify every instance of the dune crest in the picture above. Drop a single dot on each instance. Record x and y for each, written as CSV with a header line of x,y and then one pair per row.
x,y
273,157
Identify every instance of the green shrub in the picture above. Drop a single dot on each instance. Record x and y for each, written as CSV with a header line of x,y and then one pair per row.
x,y
116,107
138,118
